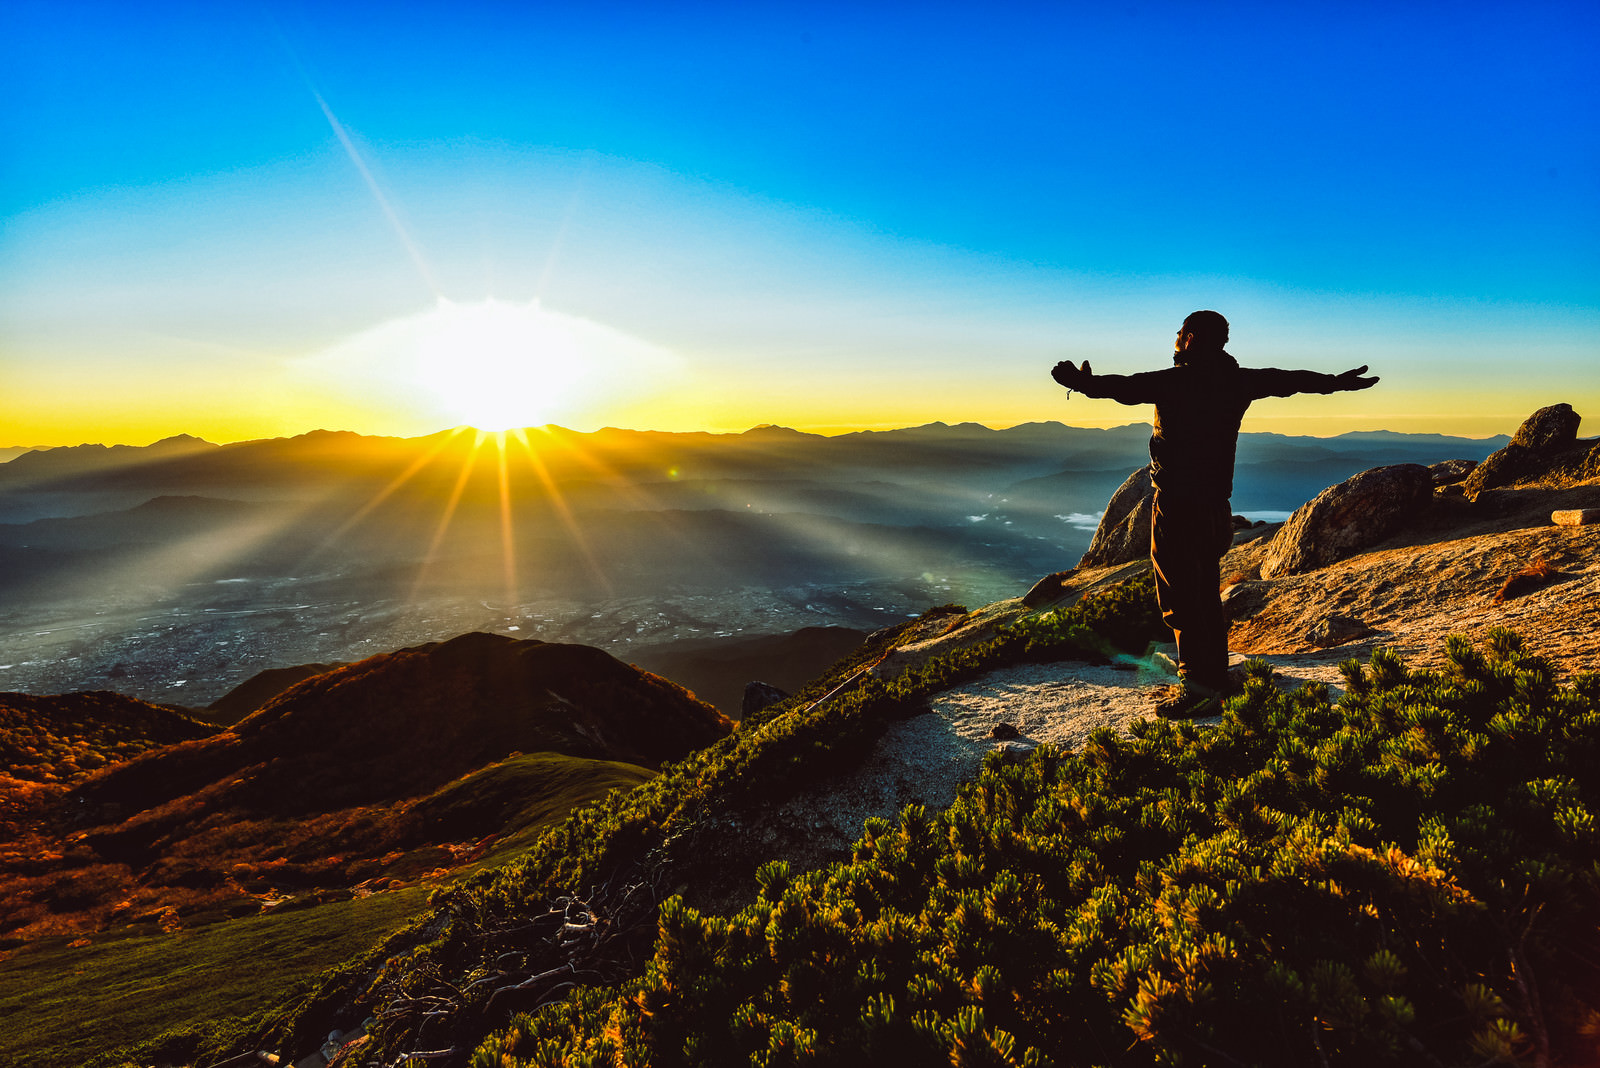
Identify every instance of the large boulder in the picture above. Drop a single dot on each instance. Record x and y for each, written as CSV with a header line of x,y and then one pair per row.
x,y
1548,429
1510,464
1344,519
1241,600
1052,587
1539,444
1124,531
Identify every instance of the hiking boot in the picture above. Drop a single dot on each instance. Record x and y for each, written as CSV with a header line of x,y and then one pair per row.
x,y
1187,702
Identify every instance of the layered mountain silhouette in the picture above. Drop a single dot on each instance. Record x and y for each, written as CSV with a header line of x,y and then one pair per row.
x,y
213,563
960,454
718,669
260,688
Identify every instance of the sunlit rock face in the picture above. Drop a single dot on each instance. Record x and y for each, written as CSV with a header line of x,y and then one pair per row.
x,y
1124,531
1548,428
1343,519
1541,443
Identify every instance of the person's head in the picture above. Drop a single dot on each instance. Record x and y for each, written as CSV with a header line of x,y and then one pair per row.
x,y
1203,331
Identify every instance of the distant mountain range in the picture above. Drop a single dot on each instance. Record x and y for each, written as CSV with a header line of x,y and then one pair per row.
x,y
185,465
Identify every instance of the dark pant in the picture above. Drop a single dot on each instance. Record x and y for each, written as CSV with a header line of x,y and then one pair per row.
x,y
1187,539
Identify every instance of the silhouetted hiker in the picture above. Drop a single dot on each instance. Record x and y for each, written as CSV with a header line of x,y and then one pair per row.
x,y
1200,402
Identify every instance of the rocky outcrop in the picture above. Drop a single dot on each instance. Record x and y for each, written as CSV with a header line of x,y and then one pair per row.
x,y
1336,630
1051,588
1590,468
1451,472
1541,443
1548,429
1124,531
1241,600
1511,464
759,695
1344,519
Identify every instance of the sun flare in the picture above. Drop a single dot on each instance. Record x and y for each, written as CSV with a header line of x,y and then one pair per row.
x,y
495,365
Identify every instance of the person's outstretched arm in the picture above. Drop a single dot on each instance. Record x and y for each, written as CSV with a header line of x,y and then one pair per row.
x,y
1143,388
1271,382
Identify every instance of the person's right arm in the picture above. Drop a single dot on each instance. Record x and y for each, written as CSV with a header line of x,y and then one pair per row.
x,y
1142,388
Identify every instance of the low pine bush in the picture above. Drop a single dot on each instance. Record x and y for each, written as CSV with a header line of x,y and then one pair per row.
x,y
1122,618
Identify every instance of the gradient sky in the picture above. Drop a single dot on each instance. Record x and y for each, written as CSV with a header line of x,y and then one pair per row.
x,y
255,219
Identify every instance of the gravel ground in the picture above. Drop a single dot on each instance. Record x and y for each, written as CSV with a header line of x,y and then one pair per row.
x,y
924,760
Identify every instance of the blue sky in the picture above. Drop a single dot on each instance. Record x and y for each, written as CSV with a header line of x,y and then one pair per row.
x,y
824,216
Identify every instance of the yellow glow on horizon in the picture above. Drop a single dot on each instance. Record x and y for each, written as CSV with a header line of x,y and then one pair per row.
x,y
44,405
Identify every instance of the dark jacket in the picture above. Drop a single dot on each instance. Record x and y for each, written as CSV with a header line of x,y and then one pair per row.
x,y
1199,405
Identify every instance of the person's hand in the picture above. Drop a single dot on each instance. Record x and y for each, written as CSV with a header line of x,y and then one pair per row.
x,y
1352,379
1072,376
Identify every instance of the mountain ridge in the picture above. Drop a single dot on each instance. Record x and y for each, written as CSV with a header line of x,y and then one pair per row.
x,y
513,694
348,775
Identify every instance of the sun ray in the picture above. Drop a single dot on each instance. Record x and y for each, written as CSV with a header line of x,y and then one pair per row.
x,y
508,547
388,491
449,514
186,559
626,487
377,194
558,504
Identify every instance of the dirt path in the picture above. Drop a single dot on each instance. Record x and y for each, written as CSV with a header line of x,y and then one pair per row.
x,y
924,760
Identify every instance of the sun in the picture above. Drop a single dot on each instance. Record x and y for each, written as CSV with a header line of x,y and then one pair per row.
x,y
492,364
497,366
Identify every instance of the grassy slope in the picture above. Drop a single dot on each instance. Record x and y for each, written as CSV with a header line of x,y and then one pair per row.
x,y
629,841
522,795
1297,821
593,844
64,1005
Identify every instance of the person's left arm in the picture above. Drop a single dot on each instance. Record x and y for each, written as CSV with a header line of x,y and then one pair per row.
x,y
1271,382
